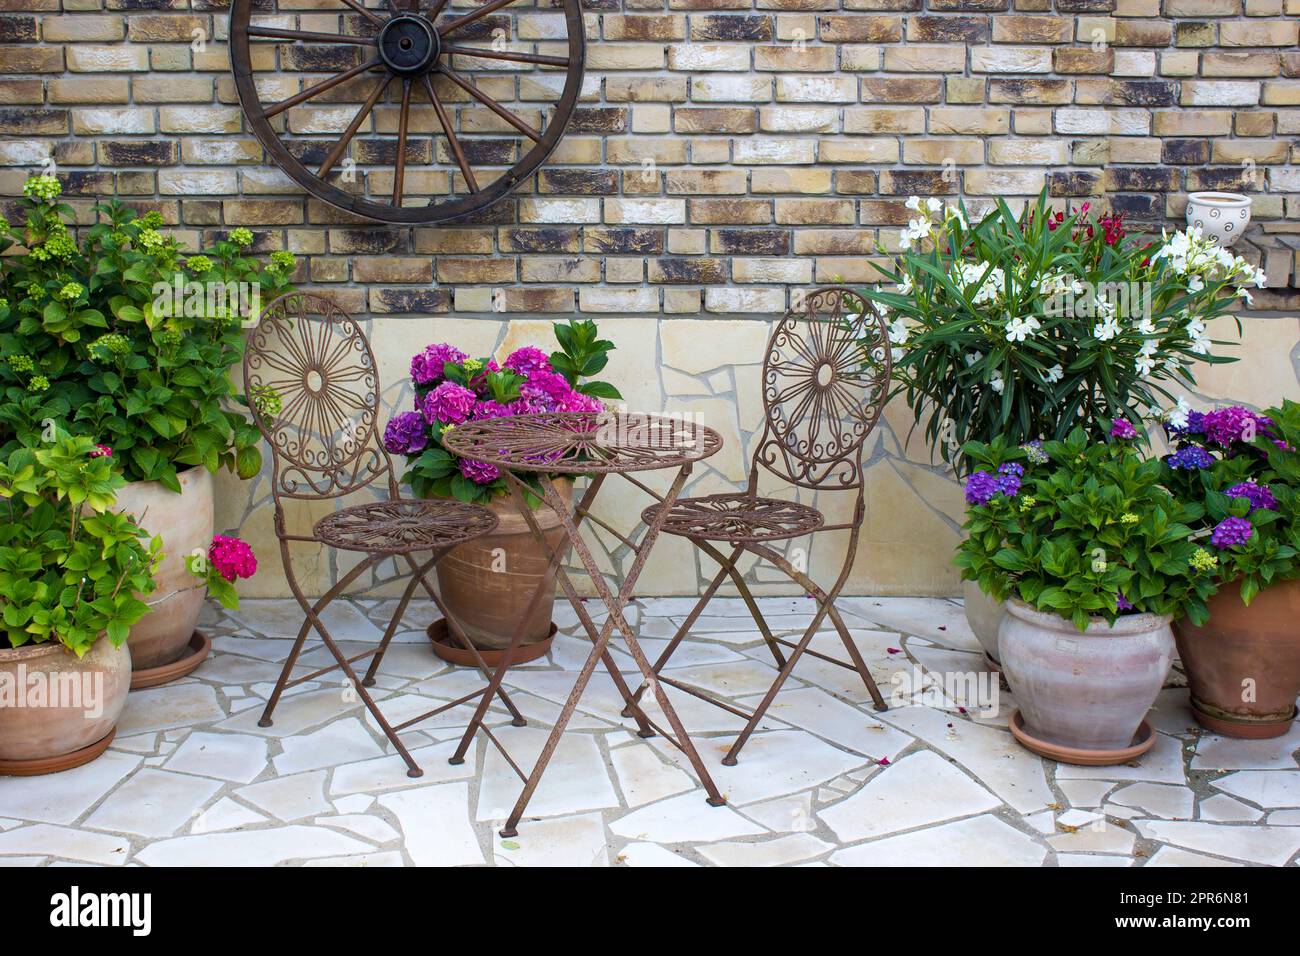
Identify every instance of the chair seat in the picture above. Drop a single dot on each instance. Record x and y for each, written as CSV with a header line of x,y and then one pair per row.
x,y
737,516
404,526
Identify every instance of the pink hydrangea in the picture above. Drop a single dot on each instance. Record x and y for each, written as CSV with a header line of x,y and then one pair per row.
x,y
577,402
449,404
479,472
232,558
1223,426
528,360
490,409
101,451
427,366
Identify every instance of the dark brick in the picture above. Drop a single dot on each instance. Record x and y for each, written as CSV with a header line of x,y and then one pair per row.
x,y
688,271
383,152
1227,178
1004,90
319,59
503,213
311,153
752,242
1085,6
540,239
481,29
410,300
1185,152
1141,179
598,119
87,184
918,182
1144,92
17,29
625,241
129,5
33,121
134,152
948,29
717,27
366,242
578,182
1073,183
1137,207
480,152
972,6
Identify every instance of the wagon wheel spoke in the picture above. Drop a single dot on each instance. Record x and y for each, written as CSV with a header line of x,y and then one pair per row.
x,y
400,170
470,17
321,87
490,103
341,146
436,9
450,133
308,36
506,55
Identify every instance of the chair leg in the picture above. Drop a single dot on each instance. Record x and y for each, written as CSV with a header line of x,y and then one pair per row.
x,y
389,631
859,664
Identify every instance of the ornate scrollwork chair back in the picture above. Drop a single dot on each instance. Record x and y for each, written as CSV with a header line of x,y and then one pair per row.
x,y
825,381
324,438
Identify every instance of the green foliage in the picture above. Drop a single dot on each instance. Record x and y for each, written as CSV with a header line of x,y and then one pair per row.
x,y
1089,525
121,337
1029,326
582,354
71,568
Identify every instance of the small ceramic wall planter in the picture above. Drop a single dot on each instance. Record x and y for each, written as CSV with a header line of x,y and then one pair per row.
x,y
1221,216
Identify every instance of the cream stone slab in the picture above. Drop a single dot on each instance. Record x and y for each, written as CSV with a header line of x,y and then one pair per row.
x,y
1271,846
1163,763
1269,789
1228,753
435,824
1084,793
81,845
1100,837
390,771
919,790
650,854
239,758
576,841
344,740
780,851
225,814
1172,856
643,777
1221,808
984,841
186,704
289,798
236,669
683,819
1089,860
370,828
817,712
296,713
385,858
153,803
1161,800
262,847
65,797
575,780
784,814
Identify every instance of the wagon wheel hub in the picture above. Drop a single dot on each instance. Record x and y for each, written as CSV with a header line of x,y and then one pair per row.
x,y
409,45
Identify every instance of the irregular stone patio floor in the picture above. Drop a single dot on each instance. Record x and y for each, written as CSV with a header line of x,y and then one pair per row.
x,y
937,780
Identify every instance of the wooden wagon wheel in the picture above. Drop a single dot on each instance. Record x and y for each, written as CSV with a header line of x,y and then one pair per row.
x,y
396,71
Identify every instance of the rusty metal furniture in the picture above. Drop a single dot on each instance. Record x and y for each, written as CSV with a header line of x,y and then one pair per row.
x,y
825,381
598,445
324,445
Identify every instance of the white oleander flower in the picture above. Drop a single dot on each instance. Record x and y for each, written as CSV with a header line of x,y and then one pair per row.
x,y
905,287
1106,330
996,382
1177,416
1020,329
1054,374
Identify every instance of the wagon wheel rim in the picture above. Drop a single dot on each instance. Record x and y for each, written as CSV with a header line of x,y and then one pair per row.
x,y
415,48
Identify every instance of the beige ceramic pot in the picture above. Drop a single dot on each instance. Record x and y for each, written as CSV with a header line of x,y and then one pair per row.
x,y
1220,216
1085,691
54,704
185,523
488,582
984,614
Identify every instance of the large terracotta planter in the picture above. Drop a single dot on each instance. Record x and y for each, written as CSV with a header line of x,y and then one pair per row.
x,y
184,522
74,720
1084,693
488,582
984,614
1243,665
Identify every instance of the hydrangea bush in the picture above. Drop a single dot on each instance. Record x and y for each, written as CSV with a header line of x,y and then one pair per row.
x,y
1081,528
1239,470
451,388
1027,326
122,336
226,561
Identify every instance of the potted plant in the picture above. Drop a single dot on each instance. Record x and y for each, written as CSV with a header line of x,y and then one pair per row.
x,y
1094,558
1029,326
488,582
1241,471
73,575
119,335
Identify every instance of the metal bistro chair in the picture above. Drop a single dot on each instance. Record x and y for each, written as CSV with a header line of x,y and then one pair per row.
x,y
825,381
325,444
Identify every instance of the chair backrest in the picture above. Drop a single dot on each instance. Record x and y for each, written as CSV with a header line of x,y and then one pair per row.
x,y
324,439
825,382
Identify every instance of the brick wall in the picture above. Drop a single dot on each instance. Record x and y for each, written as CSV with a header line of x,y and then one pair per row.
x,y
785,136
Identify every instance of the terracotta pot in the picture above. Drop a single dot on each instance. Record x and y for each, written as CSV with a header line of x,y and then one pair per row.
x,y
1086,691
984,614
1245,652
83,699
488,582
184,522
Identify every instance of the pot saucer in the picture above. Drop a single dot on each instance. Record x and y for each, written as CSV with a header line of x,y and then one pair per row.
x,y
196,652
1242,729
453,653
1143,741
43,765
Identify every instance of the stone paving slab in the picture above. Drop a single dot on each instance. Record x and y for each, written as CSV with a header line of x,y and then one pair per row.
x,y
826,780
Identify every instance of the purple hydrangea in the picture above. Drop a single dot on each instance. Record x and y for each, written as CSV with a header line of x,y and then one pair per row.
x,y
487,408
1190,458
1008,481
577,402
1231,532
1122,429
1224,426
405,434
528,360
547,387
427,366
1123,603
479,472
1034,452
980,488
449,404
1259,496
